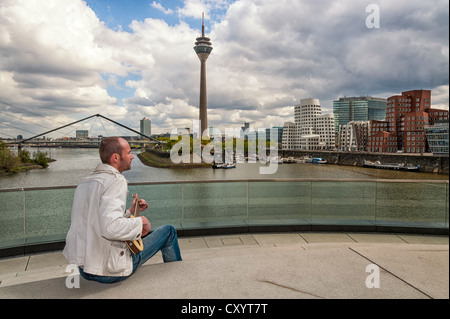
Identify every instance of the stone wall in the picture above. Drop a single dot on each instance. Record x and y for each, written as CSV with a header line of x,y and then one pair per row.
x,y
428,163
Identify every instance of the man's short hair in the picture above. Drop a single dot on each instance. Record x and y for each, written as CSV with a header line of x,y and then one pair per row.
x,y
109,146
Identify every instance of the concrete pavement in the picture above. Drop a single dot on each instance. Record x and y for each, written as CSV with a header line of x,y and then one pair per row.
x,y
253,266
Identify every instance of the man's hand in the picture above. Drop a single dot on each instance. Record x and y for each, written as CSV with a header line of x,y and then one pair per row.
x,y
142,205
146,226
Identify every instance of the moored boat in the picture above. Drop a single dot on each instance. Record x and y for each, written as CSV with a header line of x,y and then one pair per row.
x,y
289,160
315,160
396,166
230,165
217,165
223,165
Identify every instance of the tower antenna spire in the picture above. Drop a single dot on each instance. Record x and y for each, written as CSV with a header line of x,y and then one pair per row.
x,y
203,24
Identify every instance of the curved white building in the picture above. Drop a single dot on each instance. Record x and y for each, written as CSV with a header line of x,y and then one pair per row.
x,y
289,139
306,114
313,130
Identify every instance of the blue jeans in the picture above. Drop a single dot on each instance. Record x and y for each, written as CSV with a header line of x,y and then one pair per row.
x,y
164,238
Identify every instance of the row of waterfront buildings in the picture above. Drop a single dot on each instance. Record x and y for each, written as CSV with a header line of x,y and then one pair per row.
x,y
400,123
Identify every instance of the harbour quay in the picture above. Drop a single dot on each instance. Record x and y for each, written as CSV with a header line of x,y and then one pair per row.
x,y
429,163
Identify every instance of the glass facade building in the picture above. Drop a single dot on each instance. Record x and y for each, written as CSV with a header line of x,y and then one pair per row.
x,y
364,108
437,136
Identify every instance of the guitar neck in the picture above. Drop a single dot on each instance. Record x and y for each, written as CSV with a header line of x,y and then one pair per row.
x,y
136,208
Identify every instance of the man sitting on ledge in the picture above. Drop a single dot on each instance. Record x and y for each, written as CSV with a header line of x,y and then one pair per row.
x,y
100,223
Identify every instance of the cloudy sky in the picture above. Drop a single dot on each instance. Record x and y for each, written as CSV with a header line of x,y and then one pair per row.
x,y
63,60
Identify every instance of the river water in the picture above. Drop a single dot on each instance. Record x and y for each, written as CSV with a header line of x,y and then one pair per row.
x,y
44,215
72,164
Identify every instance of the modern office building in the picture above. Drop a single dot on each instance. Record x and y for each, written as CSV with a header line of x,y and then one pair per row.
x,y
381,140
81,134
353,136
312,130
363,108
145,127
407,115
325,129
244,130
275,131
203,48
305,115
437,137
289,139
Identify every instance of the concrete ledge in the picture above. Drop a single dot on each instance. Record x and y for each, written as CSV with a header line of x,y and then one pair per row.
x,y
302,265
251,229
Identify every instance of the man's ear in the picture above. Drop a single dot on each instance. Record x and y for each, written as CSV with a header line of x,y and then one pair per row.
x,y
114,158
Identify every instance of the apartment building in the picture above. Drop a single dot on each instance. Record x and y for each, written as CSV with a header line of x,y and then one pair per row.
x,y
407,115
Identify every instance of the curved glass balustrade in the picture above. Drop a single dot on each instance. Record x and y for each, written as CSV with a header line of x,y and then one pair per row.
x,y
34,216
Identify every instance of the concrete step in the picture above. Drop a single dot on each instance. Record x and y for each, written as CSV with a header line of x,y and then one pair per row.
x,y
257,266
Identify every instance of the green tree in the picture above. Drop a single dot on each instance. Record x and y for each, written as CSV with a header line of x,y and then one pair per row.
x,y
40,158
8,161
25,156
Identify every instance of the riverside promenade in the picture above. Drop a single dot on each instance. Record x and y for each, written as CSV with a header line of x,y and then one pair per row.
x,y
301,265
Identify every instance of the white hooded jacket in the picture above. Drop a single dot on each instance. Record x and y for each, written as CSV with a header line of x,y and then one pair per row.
x,y
100,225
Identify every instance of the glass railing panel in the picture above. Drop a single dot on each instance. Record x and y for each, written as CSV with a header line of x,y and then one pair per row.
x,y
349,203
279,203
164,203
446,206
412,204
214,204
42,215
12,218
47,216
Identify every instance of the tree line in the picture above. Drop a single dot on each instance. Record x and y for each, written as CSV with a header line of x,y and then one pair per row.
x,y
12,163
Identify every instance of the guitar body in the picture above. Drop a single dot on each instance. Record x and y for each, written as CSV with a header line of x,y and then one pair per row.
x,y
135,246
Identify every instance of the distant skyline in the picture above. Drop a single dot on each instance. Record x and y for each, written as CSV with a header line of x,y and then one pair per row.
x,y
61,61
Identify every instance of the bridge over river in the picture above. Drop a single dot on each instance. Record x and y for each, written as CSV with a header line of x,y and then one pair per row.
x,y
75,143
88,143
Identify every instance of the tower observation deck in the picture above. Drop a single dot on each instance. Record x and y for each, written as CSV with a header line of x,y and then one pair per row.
x,y
203,48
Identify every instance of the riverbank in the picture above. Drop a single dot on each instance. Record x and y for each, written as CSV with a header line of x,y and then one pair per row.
x,y
24,167
438,164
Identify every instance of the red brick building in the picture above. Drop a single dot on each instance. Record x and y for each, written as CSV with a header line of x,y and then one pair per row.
x,y
403,127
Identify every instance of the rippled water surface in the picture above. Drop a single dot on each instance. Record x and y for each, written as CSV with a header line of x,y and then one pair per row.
x,y
73,164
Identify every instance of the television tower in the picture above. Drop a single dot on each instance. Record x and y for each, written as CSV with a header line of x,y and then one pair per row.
x,y
203,48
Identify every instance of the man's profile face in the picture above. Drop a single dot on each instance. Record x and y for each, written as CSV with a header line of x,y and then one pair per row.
x,y
126,157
